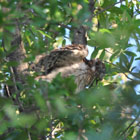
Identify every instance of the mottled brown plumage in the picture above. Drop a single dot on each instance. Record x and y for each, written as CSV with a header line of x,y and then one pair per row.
x,y
64,56
71,60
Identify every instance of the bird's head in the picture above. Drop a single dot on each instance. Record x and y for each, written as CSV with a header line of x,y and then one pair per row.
x,y
98,68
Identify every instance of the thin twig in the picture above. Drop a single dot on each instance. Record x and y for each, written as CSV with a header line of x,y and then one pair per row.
x,y
29,135
108,7
132,129
13,79
124,132
65,26
103,10
108,51
7,90
16,89
49,137
123,71
127,76
53,130
84,137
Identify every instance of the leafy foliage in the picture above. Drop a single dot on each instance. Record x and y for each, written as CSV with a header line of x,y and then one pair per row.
x,y
41,110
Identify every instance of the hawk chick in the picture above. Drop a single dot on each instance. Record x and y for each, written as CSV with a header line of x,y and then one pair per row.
x,y
71,60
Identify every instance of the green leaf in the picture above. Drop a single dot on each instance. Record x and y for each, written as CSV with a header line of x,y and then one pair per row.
x,y
114,55
2,53
95,52
133,68
61,107
130,53
104,40
64,42
43,33
12,63
38,10
70,136
102,54
131,62
91,42
124,63
138,58
40,101
105,31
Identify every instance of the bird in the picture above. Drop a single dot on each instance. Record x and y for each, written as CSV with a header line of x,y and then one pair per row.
x,y
71,60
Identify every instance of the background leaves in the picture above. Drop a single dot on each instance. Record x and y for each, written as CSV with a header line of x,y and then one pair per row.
x,y
44,110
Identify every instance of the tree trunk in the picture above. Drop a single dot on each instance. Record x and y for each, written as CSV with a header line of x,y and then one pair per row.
x,y
18,73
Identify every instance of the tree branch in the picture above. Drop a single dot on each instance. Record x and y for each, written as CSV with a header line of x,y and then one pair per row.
x,y
116,66
124,132
108,7
79,36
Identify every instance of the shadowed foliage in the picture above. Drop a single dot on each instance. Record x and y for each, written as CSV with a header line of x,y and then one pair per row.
x,y
38,110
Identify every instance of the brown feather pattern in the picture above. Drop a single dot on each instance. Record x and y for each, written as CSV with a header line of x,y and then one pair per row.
x,y
71,60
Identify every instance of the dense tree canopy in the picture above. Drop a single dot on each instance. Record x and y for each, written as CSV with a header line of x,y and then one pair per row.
x,y
37,110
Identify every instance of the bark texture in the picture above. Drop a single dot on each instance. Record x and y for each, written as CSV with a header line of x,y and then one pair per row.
x,y
79,36
18,73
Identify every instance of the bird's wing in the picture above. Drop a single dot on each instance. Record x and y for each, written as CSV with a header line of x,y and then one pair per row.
x,y
65,56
